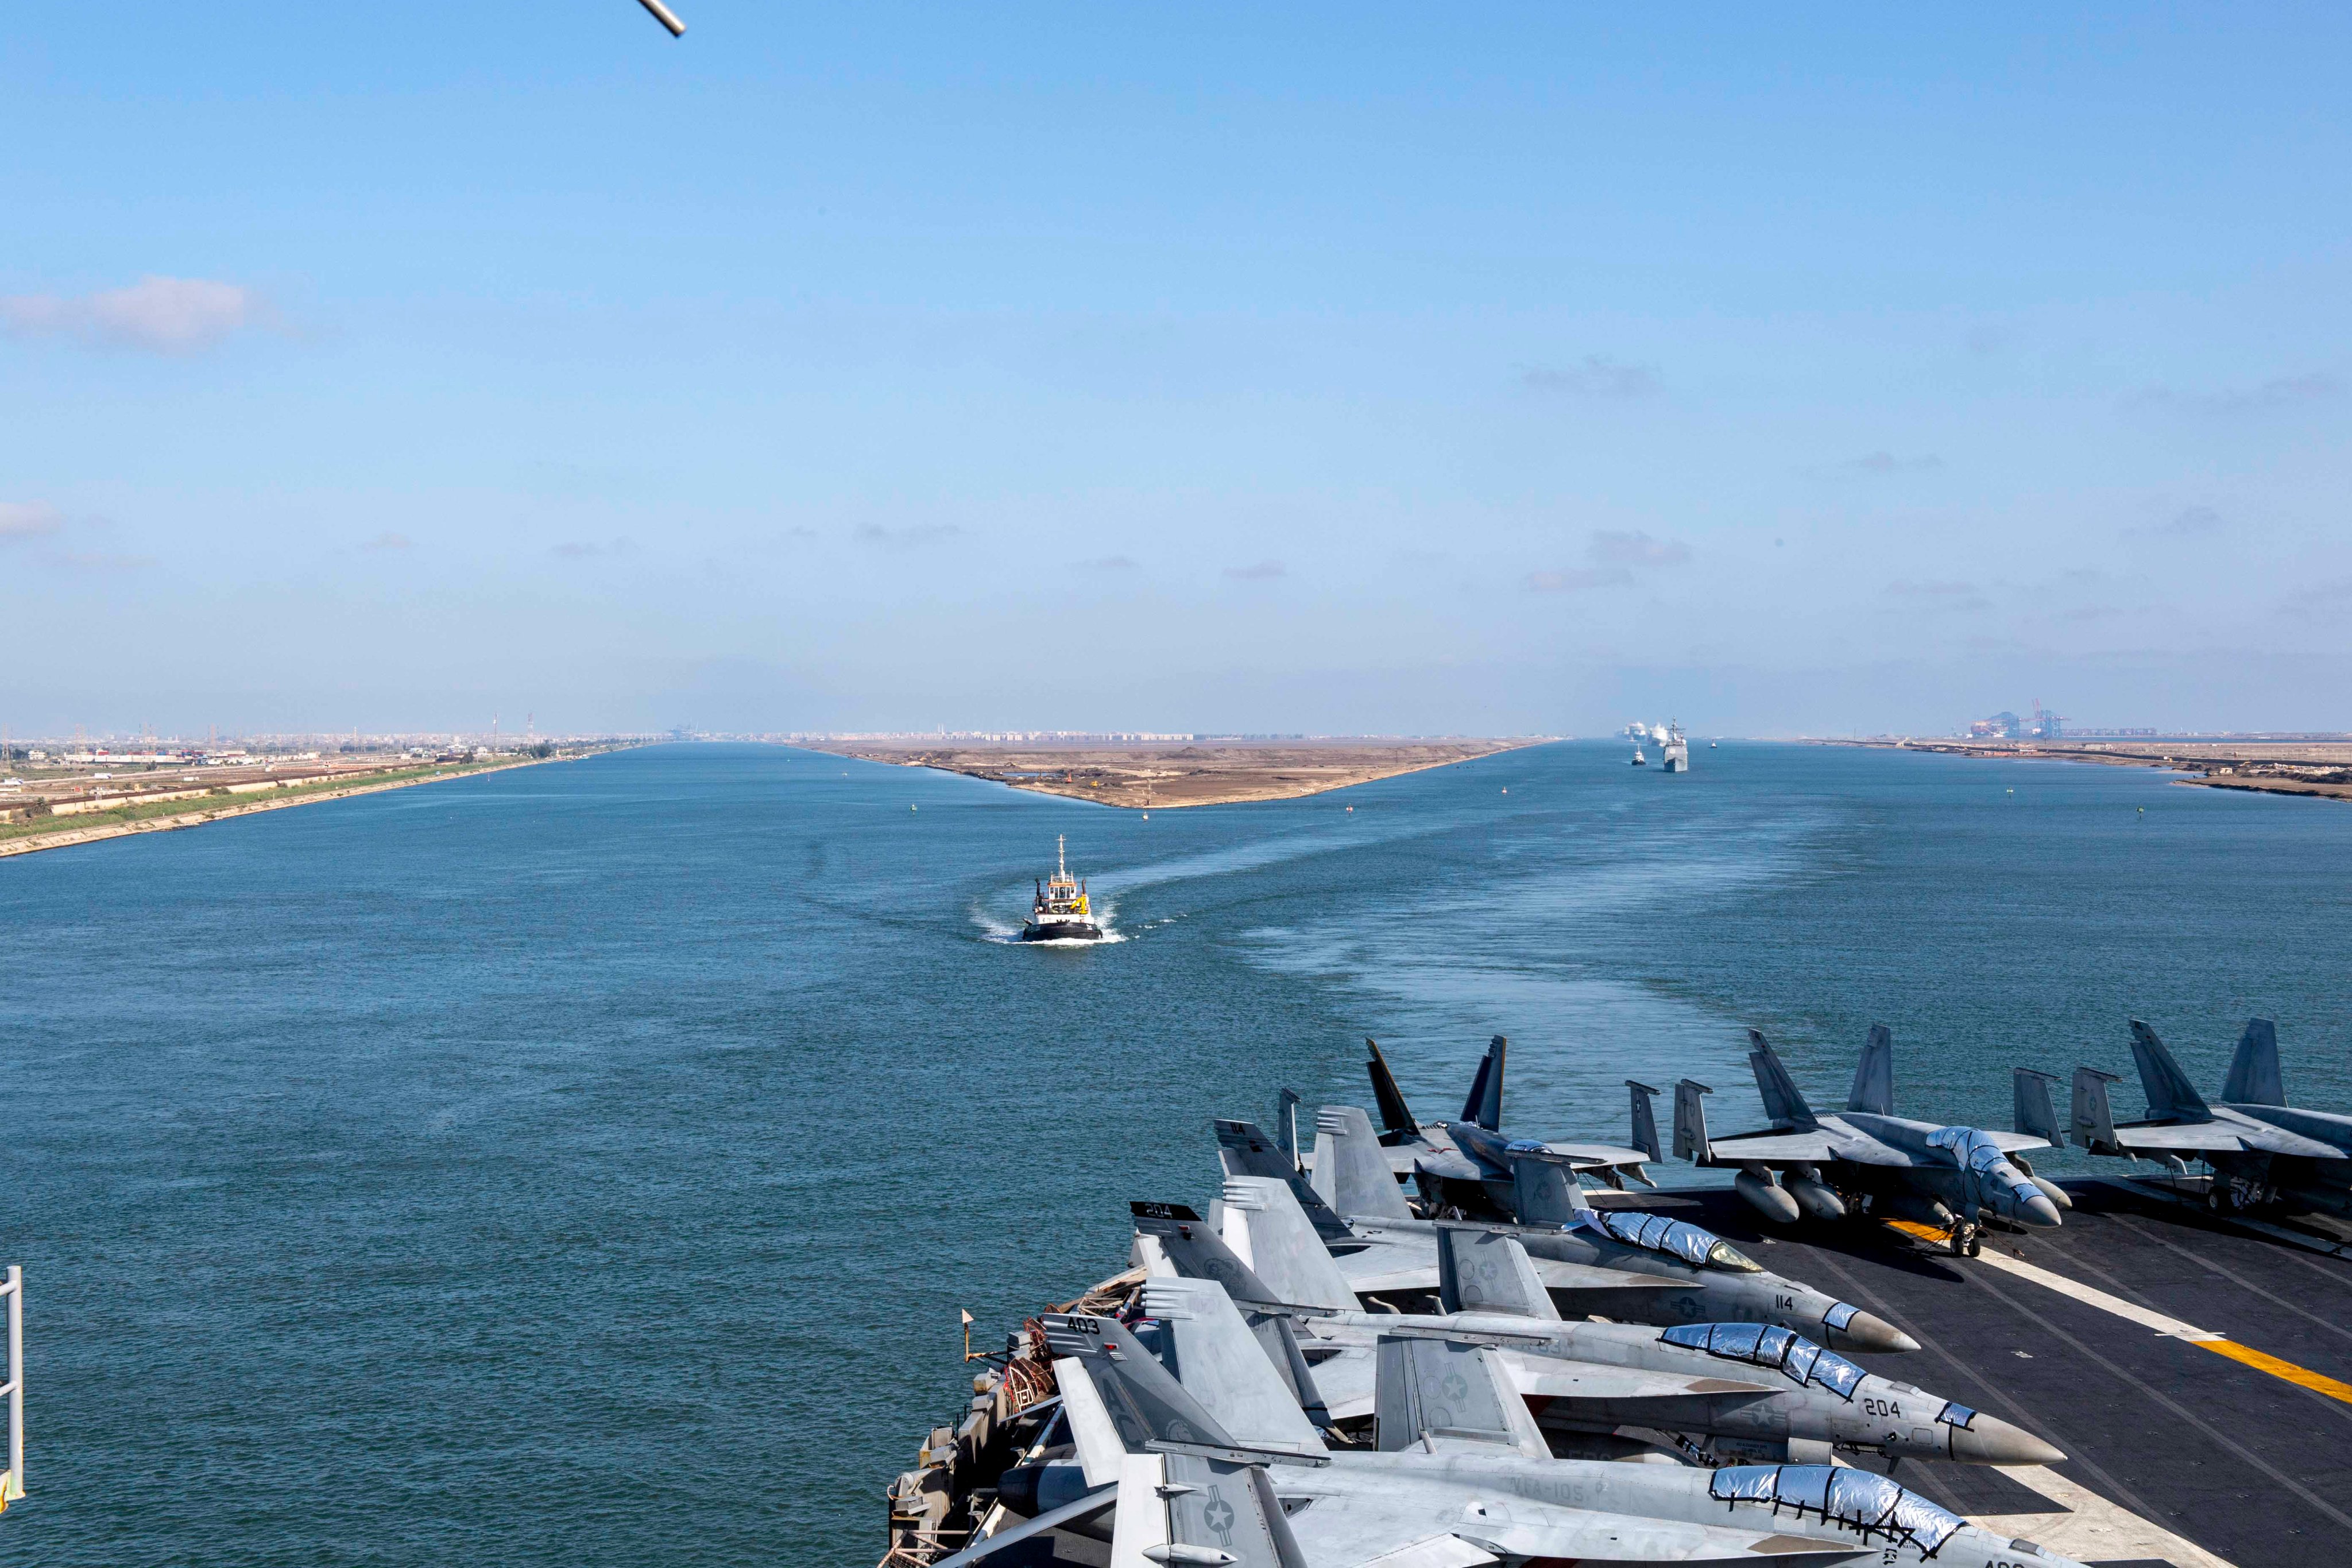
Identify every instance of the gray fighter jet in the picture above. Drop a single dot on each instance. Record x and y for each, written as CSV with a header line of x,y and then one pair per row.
x,y
1949,1177
1215,1465
2262,1150
1463,1166
1711,1392
1618,1263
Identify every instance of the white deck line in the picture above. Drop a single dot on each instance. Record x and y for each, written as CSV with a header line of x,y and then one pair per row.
x,y
2092,1530
2088,1296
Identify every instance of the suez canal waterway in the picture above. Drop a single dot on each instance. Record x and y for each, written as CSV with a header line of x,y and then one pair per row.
x,y
586,1164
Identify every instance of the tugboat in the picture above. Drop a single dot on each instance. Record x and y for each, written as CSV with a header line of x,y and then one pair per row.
x,y
1061,913
1639,760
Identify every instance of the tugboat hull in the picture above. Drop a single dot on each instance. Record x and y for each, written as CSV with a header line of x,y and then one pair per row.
x,y
1061,931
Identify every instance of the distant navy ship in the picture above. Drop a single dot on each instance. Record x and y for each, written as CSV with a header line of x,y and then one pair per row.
x,y
1061,912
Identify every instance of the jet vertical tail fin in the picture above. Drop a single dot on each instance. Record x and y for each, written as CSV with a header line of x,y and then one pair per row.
x,y
2036,1113
1544,1191
1243,1150
1646,1120
2170,1096
2254,1072
1196,1251
1484,1105
1396,1117
1142,1398
1186,1508
2095,1121
1784,1106
1350,1159
1220,1363
1292,1265
1481,1270
1690,1122
1874,1075
1439,1392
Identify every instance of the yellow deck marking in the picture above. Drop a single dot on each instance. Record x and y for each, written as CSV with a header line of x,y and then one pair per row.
x,y
2205,1339
2299,1375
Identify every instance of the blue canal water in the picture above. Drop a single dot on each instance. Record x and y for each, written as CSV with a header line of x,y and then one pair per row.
x,y
584,1165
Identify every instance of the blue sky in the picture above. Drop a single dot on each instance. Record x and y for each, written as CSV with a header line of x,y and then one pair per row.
x,y
1298,367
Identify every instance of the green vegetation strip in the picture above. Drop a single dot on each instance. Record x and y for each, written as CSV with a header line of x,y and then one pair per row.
x,y
223,804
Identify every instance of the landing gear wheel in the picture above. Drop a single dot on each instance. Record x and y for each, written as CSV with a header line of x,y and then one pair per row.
x,y
1975,1244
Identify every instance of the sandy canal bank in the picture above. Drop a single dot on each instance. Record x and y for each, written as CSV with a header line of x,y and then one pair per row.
x,y
161,811
2318,765
1166,774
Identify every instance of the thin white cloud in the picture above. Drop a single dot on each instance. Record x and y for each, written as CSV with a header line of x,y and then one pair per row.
x,y
2189,523
158,315
2272,396
388,541
909,537
22,520
1595,376
2322,601
1612,547
1885,461
1109,563
1263,571
1952,595
1577,579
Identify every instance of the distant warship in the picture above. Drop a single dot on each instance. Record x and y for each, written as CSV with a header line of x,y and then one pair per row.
x,y
1677,751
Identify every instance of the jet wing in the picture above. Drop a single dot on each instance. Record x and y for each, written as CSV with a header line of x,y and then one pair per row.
x,y
1775,1148
1592,1157
1445,1163
1378,1509
1558,1275
1549,1377
2014,1143
2221,1137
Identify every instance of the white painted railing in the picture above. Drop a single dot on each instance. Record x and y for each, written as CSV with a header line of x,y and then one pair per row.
x,y
12,1479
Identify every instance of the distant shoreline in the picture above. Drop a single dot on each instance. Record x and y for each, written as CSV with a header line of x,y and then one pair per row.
x,y
2321,768
68,837
1169,775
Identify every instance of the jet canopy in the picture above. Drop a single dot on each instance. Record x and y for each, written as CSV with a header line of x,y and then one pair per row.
x,y
1970,1147
1869,1503
1785,1351
1676,1237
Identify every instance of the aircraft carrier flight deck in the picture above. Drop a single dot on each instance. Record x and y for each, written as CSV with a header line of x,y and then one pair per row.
x,y
2238,1448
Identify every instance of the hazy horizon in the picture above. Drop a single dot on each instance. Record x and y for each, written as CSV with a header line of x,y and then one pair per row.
x,y
1375,370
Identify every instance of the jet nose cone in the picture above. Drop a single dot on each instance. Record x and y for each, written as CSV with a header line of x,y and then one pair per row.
x,y
1867,1331
1988,1440
2039,1211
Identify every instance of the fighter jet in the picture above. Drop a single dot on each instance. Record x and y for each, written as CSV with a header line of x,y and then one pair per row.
x,y
2262,1150
1463,1167
1599,1390
1215,1465
1619,1263
1950,1178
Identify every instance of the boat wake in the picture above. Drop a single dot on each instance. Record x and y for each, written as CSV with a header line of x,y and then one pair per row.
x,y
995,927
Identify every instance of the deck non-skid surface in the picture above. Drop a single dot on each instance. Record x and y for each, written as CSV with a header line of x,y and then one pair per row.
x,y
2240,1445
